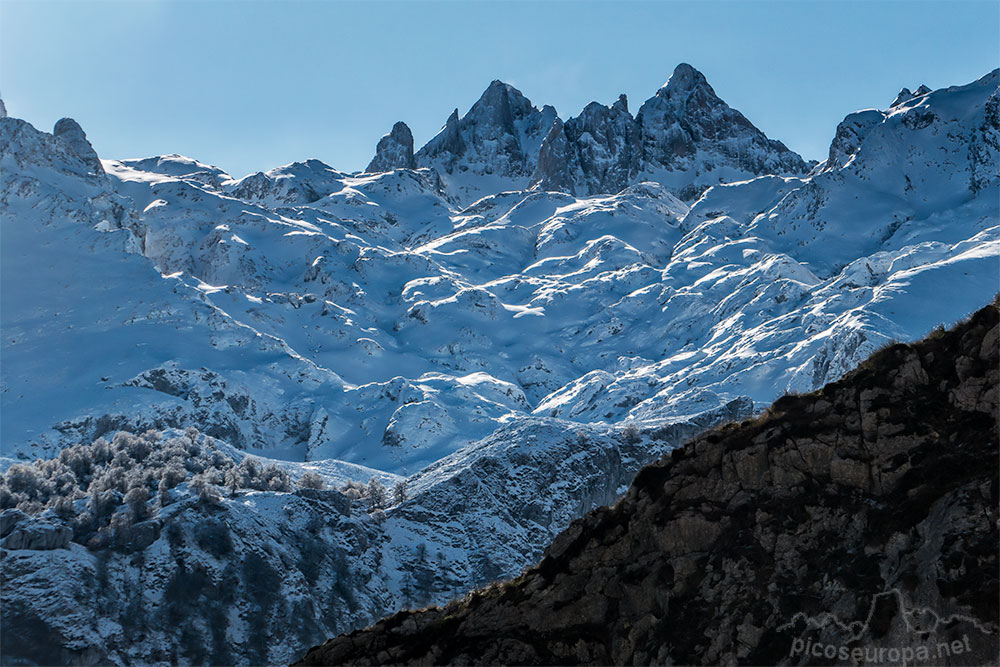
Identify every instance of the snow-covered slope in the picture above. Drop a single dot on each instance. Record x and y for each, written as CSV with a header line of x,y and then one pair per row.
x,y
514,352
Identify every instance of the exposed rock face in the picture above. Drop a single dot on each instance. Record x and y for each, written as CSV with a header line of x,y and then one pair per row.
x,y
860,517
10,518
984,148
598,151
498,139
73,135
685,127
37,535
684,137
394,150
850,133
905,95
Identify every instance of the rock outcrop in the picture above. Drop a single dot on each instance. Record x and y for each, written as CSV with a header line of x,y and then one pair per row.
x,y
598,151
860,517
394,150
37,535
850,134
905,95
70,132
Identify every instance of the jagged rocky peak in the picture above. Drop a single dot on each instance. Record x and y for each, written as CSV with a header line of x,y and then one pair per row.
x,y
394,150
503,107
501,113
450,137
596,151
684,137
685,127
684,80
905,95
499,106
688,95
556,161
493,147
601,121
70,132
3,109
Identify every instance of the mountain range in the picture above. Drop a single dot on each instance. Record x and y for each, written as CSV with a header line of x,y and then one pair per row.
x,y
510,321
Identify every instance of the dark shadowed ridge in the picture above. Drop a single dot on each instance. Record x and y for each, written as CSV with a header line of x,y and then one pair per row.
x,y
872,501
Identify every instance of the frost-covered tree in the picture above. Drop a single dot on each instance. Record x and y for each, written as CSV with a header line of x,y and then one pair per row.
x,y
275,478
377,496
119,477
631,435
22,478
136,499
354,489
203,488
246,475
311,480
399,492
102,503
64,507
163,495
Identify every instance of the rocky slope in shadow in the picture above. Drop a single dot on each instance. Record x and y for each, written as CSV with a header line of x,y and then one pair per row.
x,y
859,518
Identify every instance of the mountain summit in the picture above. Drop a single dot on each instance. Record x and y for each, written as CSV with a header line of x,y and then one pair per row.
x,y
394,151
494,147
684,78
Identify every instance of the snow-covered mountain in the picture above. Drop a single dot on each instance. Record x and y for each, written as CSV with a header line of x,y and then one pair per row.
x,y
513,350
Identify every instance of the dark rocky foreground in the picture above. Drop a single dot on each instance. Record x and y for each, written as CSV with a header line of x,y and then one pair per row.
x,y
854,524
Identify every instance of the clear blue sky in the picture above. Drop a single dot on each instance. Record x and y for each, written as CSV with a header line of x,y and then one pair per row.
x,y
253,85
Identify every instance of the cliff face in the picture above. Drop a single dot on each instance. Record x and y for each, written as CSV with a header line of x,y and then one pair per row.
x,y
858,519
